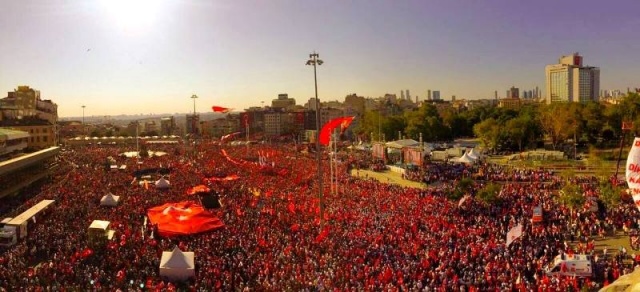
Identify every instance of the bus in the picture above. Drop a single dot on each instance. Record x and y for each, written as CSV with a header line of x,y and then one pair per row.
x,y
16,228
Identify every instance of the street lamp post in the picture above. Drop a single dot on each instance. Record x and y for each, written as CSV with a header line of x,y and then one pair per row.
x,y
84,129
315,61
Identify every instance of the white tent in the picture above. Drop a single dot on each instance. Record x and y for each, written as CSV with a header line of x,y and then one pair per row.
x,y
162,184
466,159
177,265
109,200
474,154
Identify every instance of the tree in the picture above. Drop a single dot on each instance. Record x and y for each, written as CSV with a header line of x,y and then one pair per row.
x,y
489,193
464,186
571,196
517,130
556,122
488,132
609,195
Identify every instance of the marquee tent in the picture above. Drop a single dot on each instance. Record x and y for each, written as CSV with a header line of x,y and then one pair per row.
x,y
162,183
177,265
466,159
475,155
399,144
183,218
109,200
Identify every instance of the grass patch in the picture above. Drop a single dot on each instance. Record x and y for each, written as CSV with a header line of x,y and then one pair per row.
x,y
388,177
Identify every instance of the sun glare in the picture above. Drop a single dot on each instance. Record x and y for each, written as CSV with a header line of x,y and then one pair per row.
x,y
132,16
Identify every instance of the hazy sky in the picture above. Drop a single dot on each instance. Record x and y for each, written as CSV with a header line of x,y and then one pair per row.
x,y
150,56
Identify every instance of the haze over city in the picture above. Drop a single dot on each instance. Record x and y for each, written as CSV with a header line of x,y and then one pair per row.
x,y
133,57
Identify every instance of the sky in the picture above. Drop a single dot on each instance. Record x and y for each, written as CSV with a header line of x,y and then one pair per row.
x,y
150,56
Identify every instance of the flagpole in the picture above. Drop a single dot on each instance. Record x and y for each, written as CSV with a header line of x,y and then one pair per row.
x,y
331,163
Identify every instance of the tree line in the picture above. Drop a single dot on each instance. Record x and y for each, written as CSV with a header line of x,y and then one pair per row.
x,y
592,124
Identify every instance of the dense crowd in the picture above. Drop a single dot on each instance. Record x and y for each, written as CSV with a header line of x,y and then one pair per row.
x,y
370,236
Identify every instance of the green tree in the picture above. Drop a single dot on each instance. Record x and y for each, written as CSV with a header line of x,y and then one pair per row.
x,y
556,122
518,131
488,131
609,195
463,187
427,121
489,193
571,196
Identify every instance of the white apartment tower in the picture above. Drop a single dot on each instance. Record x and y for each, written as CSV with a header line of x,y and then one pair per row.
x,y
570,81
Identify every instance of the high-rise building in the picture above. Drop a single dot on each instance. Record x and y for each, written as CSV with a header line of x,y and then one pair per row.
x,y
429,94
193,124
436,95
401,94
495,95
570,81
407,96
513,92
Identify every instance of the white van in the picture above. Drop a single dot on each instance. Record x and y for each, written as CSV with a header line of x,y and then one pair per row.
x,y
578,265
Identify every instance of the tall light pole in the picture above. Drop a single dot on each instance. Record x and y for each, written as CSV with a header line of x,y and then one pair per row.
x,y
194,124
84,129
314,61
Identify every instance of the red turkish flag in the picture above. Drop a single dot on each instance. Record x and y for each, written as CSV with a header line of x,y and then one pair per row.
x,y
325,133
182,218
219,109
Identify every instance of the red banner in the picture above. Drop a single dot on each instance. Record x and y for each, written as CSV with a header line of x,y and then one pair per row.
x,y
412,155
378,151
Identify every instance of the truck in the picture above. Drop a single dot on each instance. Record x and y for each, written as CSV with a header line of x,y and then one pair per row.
x,y
578,265
12,229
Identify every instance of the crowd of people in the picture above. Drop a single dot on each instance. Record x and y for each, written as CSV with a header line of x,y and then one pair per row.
x,y
280,236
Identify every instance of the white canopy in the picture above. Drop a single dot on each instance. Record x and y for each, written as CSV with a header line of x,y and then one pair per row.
x,y
474,154
109,200
177,265
162,184
399,144
99,224
466,159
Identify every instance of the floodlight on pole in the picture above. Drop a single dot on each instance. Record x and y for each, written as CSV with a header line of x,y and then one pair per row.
x,y
315,61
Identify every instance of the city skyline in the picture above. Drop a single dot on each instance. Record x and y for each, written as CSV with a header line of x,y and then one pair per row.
x,y
141,57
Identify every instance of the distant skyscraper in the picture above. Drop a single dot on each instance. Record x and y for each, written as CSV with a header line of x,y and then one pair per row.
x,y
495,95
570,81
407,95
436,95
513,92
401,94
429,94
537,94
